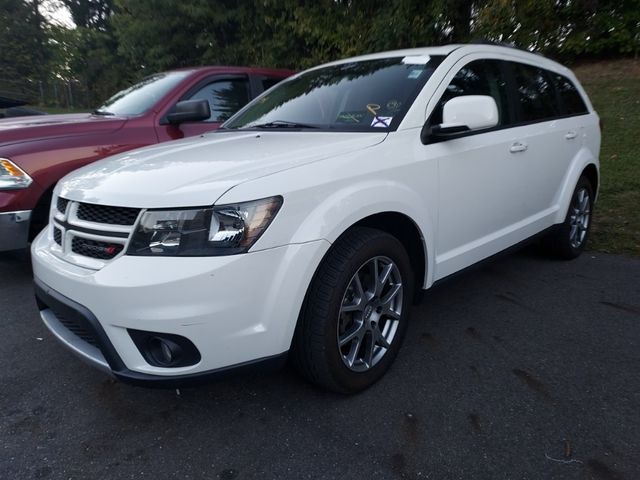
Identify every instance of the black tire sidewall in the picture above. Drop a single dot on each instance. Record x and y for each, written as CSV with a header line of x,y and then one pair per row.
x,y
348,380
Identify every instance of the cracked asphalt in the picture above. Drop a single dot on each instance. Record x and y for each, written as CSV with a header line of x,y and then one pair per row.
x,y
523,368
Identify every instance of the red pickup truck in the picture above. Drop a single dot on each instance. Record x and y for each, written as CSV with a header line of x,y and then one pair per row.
x,y
36,151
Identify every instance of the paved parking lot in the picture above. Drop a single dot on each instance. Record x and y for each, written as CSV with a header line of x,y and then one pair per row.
x,y
522,368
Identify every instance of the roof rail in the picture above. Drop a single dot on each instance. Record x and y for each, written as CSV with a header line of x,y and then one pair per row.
x,y
484,41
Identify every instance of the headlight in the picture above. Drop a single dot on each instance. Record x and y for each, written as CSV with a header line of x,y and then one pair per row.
x,y
12,176
219,230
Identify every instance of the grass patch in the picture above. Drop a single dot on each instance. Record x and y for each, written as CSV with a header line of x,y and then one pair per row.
x,y
614,89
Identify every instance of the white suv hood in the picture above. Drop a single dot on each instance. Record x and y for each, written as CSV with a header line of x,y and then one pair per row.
x,y
197,171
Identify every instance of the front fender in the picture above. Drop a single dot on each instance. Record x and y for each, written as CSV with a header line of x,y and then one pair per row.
x,y
325,212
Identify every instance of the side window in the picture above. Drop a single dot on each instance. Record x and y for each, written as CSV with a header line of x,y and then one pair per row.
x,y
535,95
480,77
573,103
225,97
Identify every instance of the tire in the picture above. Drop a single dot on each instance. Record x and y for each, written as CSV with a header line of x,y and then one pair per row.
x,y
370,322
40,215
568,240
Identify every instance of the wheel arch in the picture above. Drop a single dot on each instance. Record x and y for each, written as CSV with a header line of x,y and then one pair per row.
x,y
584,164
592,174
403,228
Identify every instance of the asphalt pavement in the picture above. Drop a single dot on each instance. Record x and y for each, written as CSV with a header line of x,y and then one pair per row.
x,y
524,368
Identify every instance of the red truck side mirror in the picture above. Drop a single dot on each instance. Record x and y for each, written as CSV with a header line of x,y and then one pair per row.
x,y
189,111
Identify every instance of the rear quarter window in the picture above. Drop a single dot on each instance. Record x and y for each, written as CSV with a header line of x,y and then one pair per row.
x,y
571,98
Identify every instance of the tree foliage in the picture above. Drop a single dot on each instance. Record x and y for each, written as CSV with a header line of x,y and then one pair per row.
x,y
117,41
24,52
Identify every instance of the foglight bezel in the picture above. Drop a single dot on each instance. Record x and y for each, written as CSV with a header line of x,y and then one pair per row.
x,y
198,243
23,180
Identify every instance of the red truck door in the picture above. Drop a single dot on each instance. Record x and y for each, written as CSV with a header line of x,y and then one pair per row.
x,y
226,95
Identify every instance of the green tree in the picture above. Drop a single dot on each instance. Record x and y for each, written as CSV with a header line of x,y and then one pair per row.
x,y
92,50
564,28
24,48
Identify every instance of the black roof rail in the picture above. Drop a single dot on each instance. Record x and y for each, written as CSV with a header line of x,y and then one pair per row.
x,y
484,41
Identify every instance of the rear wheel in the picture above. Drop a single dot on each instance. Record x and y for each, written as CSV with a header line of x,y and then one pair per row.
x,y
356,312
569,239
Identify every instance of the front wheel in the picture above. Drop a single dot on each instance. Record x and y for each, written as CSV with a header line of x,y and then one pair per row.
x,y
356,312
569,239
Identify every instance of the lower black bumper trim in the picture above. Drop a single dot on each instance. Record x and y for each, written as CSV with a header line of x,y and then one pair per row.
x,y
263,365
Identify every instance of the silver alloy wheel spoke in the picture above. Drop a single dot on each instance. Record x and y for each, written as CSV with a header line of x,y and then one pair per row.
x,y
388,298
353,352
353,334
381,340
370,313
383,278
391,313
370,345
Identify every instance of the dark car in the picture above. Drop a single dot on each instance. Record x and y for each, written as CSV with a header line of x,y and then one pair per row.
x,y
36,151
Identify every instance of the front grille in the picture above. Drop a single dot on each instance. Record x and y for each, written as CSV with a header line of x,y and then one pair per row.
x,y
95,249
77,329
97,232
61,204
105,214
57,235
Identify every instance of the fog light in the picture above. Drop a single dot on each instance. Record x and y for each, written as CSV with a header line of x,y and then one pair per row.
x,y
165,349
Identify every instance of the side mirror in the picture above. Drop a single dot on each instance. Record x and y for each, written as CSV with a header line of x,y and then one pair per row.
x,y
189,111
462,114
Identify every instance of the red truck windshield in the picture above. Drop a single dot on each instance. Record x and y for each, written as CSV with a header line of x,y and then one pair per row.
x,y
139,98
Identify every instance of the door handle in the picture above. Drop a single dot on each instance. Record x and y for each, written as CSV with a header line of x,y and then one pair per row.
x,y
571,135
518,147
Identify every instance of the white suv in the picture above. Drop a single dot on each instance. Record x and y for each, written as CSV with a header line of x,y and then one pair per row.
x,y
306,225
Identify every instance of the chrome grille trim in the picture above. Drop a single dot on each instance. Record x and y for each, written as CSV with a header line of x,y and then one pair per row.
x,y
68,226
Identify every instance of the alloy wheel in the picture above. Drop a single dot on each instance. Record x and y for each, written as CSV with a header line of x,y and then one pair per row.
x,y
370,313
579,218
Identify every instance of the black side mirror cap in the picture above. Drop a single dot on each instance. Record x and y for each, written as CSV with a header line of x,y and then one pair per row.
x,y
189,111
432,133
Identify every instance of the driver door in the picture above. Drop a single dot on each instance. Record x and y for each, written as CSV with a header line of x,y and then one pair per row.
x,y
480,199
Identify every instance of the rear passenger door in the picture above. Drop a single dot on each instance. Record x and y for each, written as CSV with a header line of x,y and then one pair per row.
x,y
548,139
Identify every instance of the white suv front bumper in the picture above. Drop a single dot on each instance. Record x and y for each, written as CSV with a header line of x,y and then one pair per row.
x,y
235,309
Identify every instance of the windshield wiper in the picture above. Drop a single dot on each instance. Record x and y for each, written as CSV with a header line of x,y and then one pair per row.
x,y
282,124
102,112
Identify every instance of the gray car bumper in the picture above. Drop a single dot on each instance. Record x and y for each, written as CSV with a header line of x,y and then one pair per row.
x,y
14,230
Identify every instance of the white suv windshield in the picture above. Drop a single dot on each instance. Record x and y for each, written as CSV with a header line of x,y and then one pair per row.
x,y
139,98
368,95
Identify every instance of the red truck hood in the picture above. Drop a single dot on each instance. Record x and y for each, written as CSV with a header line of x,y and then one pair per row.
x,y
20,129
